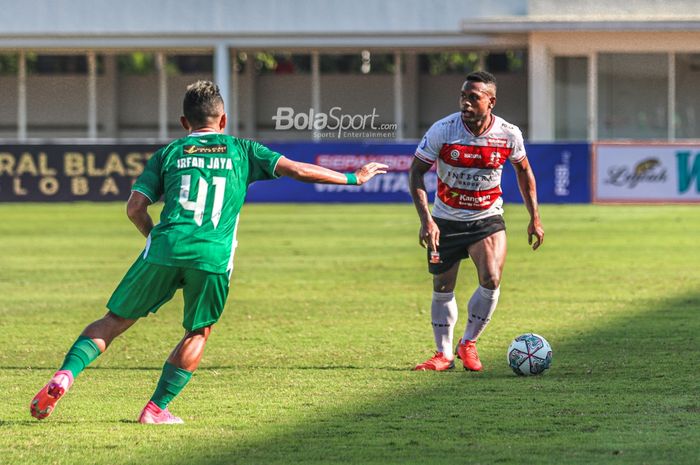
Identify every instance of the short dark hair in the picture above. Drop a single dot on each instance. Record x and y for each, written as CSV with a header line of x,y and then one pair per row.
x,y
202,101
485,77
482,76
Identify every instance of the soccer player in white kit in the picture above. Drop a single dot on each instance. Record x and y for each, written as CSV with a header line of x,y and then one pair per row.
x,y
470,148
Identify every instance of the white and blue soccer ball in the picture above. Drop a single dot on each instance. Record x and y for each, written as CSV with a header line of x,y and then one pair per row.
x,y
529,354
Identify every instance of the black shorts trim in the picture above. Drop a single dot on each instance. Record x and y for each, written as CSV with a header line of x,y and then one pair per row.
x,y
457,236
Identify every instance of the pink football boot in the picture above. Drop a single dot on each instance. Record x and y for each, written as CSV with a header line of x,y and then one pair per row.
x,y
45,401
154,415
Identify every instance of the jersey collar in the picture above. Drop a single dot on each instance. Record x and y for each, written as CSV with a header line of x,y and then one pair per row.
x,y
466,128
200,133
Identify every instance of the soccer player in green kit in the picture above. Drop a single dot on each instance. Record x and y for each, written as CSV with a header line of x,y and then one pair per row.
x,y
203,179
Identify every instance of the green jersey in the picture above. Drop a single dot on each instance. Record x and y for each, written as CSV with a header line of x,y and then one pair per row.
x,y
203,179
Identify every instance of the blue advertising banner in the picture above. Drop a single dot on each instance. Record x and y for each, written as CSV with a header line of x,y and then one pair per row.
x,y
563,173
562,170
99,172
346,157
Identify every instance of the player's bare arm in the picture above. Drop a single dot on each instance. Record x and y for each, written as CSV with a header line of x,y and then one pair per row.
x,y
528,190
137,211
429,234
307,172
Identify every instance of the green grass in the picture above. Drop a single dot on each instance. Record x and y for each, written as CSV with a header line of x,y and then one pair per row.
x,y
329,309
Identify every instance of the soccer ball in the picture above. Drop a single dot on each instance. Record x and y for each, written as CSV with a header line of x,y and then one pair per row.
x,y
529,354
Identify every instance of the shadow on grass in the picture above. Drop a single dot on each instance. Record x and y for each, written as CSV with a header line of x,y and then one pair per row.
x,y
116,367
623,393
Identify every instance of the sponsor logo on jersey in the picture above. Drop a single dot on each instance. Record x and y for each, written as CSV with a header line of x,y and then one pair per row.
x,y
496,142
494,160
471,179
192,149
468,199
474,156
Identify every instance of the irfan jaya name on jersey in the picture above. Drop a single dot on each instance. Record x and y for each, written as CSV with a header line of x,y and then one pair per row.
x,y
213,163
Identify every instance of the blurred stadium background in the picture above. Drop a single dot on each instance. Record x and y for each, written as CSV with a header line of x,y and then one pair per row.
x,y
311,362
89,73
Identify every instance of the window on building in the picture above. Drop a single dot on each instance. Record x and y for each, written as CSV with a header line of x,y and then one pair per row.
x,y
632,96
240,61
137,63
61,64
496,62
687,117
571,98
191,64
461,63
365,62
9,64
281,63
377,63
510,61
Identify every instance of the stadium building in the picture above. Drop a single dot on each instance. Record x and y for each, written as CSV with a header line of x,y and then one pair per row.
x,y
586,71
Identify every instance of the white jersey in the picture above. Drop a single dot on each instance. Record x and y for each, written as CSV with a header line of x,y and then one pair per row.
x,y
469,167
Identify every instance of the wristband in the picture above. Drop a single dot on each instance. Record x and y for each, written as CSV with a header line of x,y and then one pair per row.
x,y
351,179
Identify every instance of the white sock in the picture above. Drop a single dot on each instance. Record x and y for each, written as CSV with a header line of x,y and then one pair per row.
x,y
444,314
481,307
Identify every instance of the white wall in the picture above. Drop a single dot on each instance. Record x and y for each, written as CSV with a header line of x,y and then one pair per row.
x,y
612,8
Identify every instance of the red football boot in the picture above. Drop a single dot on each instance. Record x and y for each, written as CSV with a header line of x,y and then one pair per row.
x,y
437,362
470,357
45,401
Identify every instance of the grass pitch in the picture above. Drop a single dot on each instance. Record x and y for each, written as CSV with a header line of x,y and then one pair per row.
x,y
328,312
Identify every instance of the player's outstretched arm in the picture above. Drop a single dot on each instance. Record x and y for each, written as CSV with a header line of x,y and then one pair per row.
x,y
137,211
307,172
528,189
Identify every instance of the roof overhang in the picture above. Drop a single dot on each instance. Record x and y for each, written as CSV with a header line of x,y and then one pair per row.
x,y
571,24
306,42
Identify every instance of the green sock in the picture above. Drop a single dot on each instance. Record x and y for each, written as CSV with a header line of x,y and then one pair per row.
x,y
171,382
80,355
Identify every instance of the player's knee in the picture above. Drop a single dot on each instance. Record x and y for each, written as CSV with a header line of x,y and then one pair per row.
x,y
201,332
491,281
443,288
444,283
113,317
116,320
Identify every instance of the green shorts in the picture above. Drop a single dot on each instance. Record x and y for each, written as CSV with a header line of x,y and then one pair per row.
x,y
147,286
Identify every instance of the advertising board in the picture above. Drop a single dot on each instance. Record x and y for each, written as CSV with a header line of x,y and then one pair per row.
x,y
97,172
646,173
